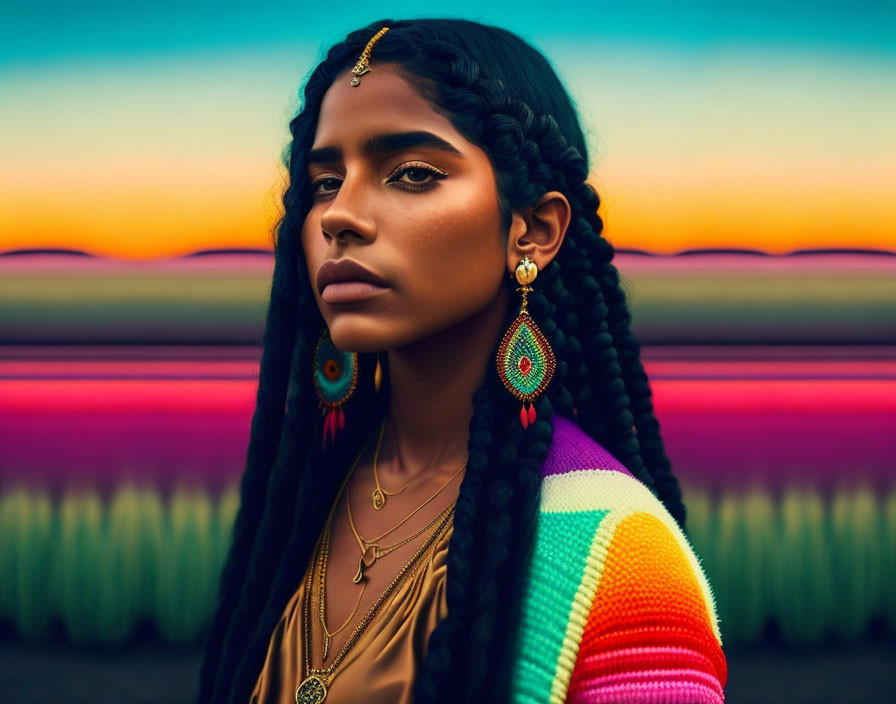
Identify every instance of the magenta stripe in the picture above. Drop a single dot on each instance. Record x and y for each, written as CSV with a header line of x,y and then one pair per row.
x,y
679,686
734,451
61,450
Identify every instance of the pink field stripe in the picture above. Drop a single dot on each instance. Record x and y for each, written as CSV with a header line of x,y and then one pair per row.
x,y
772,370
808,396
128,369
91,395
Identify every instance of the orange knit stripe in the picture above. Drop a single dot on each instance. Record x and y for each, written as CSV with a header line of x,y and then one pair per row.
x,y
648,595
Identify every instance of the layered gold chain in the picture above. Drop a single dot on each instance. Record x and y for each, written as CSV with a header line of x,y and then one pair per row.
x,y
379,494
313,687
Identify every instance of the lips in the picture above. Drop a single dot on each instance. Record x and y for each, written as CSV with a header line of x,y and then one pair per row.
x,y
345,271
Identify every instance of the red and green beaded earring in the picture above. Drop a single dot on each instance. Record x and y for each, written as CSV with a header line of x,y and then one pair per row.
x,y
526,361
335,378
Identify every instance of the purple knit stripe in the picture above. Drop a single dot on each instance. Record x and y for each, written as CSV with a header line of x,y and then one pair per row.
x,y
573,449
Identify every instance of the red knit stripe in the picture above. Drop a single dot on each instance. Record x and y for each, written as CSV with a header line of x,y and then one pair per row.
x,y
603,664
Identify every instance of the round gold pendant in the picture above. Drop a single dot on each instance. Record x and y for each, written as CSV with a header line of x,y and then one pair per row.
x,y
379,499
313,690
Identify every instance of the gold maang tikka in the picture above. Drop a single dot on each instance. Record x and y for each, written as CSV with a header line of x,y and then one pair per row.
x,y
363,65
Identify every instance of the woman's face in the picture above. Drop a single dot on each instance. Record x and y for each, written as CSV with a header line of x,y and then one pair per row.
x,y
399,191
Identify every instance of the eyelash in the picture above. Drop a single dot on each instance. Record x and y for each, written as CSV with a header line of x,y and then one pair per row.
x,y
437,174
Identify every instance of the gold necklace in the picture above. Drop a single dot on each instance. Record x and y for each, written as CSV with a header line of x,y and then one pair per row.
x,y
371,551
313,688
325,536
323,591
323,588
323,584
379,494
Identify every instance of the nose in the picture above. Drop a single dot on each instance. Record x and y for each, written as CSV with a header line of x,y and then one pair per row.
x,y
347,215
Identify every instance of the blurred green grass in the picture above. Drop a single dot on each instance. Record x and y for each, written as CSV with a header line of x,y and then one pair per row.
x,y
815,567
103,569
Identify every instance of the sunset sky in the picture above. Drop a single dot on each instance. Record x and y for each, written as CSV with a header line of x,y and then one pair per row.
x,y
155,131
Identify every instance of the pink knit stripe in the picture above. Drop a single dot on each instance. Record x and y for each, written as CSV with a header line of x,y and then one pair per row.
x,y
676,686
596,665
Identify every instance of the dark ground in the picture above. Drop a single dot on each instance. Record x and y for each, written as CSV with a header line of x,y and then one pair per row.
x,y
32,673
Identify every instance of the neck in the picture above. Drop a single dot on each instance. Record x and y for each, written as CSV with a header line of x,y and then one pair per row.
x,y
432,382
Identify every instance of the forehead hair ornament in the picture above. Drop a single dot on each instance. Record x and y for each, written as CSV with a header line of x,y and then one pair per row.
x,y
363,65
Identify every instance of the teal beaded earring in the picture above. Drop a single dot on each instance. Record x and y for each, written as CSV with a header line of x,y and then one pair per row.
x,y
335,378
526,361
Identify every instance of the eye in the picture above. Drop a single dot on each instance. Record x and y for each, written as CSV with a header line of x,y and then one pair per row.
x,y
327,184
416,175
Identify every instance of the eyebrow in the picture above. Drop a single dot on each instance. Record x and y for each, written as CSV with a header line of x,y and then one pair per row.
x,y
385,144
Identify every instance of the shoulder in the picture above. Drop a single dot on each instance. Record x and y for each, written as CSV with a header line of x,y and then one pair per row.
x,y
579,475
573,449
616,581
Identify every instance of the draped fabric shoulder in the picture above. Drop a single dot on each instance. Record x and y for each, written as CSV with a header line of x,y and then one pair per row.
x,y
616,607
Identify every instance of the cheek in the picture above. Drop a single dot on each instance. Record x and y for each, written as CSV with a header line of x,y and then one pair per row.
x,y
476,230
461,253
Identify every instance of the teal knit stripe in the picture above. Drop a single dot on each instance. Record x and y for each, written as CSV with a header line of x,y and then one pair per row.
x,y
562,544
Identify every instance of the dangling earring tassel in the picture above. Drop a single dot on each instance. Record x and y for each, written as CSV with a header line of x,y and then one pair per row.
x,y
527,416
334,420
335,378
526,361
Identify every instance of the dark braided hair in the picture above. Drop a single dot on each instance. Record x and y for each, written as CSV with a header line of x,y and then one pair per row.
x,y
503,96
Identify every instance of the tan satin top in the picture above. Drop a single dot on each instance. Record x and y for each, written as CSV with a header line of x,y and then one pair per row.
x,y
380,668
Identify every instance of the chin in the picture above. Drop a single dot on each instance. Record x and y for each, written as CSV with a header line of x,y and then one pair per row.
x,y
352,334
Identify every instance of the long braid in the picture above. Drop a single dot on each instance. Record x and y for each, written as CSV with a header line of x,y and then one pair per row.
x,y
261,526
267,422
313,497
607,404
471,651
633,374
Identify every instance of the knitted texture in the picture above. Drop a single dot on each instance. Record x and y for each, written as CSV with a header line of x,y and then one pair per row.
x,y
616,605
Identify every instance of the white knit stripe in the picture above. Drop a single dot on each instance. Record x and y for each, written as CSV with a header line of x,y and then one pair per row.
x,y
622,494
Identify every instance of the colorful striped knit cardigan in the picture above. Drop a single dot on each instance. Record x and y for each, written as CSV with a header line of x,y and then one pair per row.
x,y
616,607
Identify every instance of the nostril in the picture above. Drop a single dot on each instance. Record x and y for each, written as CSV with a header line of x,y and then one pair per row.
x,y
340,237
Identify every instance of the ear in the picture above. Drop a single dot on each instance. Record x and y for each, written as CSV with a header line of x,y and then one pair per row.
x,y
538,230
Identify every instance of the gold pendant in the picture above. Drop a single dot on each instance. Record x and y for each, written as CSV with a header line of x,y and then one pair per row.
x,y
379,498
366,561
313,690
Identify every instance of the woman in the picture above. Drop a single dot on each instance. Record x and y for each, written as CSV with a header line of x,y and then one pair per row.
x,y
439,237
